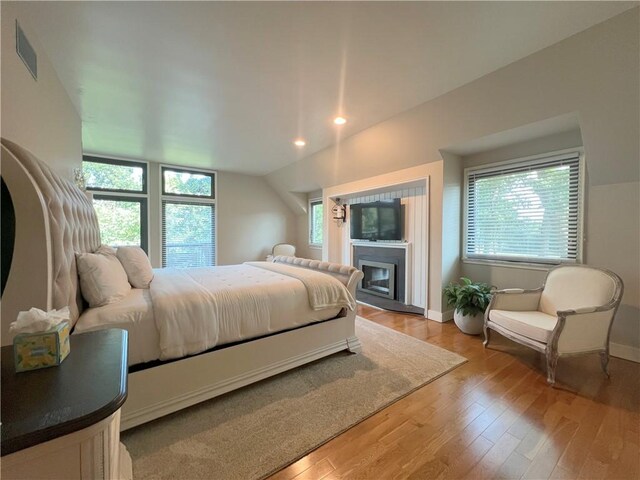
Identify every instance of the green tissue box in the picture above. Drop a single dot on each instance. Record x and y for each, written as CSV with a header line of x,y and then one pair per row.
x,y
32,351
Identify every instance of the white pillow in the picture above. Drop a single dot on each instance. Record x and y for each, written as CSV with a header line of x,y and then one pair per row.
x,y
137,265
102,277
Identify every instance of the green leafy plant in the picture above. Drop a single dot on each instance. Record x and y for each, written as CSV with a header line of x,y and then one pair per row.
x,y
469,298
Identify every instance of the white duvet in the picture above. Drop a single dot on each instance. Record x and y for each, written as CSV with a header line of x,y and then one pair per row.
x,y
199,308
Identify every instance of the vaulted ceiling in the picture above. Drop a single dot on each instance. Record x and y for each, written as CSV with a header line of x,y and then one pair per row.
x,y
230,85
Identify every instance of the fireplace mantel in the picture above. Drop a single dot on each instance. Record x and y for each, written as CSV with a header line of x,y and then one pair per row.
x,y
404,245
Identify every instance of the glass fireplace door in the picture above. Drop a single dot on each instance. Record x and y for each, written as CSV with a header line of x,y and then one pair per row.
x,y
379,278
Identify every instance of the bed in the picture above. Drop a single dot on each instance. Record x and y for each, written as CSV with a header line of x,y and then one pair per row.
x,y
284,325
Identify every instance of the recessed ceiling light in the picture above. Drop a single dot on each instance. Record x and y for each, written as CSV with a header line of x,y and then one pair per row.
x,y
339,120
299,142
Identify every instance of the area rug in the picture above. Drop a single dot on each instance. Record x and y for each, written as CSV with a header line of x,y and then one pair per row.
x,y
259,429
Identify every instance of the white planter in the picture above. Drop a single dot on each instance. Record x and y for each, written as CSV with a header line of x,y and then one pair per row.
x,y
469,324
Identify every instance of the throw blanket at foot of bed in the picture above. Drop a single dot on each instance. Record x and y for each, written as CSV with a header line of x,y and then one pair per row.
x,y
199,308
324,291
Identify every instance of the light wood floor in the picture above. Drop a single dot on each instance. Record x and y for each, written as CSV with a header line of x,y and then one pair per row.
x,y
493,417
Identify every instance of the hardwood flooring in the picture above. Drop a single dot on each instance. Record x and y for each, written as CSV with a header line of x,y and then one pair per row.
x,y
493,417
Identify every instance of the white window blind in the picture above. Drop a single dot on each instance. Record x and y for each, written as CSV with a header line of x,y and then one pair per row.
x,y
526,211
188,217
188,234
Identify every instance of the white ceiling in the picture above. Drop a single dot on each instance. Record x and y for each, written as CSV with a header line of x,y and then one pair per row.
x,y
229,85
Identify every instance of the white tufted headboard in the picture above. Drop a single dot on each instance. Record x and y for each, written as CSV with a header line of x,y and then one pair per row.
x,y
54,221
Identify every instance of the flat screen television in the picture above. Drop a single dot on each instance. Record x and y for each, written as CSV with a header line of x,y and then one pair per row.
x,y
375,221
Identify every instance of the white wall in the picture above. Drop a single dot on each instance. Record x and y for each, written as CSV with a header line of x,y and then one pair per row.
x,y
303,249
252,219
613,242
594,74
533,146
451,224
38,115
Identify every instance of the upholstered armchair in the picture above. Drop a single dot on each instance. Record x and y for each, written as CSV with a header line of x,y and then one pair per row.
x,y
570,314
282,249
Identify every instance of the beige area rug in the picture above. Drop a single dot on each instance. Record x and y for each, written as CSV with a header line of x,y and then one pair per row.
x,y
261,428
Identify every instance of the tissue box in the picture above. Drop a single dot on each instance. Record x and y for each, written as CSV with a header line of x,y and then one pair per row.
x,y
42,349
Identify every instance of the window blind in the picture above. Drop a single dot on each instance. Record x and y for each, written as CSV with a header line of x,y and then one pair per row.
x,y
525,212
188,234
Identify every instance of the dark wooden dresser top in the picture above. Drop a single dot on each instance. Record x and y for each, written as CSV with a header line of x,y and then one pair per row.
x,y
89,385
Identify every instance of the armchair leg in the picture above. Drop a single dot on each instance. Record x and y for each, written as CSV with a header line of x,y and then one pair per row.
x,y
552,362
604,362
486,336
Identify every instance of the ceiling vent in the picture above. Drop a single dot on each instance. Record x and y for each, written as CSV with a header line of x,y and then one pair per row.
x,y
26,52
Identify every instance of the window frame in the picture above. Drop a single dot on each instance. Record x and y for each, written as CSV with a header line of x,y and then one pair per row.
x,y
126,195
188,199
208,173
122,163
529,160
315,201
144,214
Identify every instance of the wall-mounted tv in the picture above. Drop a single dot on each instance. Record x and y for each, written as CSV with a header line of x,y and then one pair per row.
x,y
375,221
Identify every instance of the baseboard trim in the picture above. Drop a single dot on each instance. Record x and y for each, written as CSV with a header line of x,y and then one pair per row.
x,y
626,352
439,316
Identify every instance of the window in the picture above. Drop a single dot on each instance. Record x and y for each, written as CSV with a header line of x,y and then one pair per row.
x,y
525,211
188,218
187,183
315,222
120,199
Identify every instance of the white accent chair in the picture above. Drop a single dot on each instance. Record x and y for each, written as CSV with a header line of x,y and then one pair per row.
x,y
283,249
570,314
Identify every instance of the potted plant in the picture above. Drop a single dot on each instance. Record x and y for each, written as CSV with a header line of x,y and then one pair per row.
x,y
470,300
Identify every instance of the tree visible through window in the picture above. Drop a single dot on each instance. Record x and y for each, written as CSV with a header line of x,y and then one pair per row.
x,y
120,199
177,182
525,212
315,222
120,220
119,176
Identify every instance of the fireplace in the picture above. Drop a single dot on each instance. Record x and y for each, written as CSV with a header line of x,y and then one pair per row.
x,y
379,278
385,283
384,268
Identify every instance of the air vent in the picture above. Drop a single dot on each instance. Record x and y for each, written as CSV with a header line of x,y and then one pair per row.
x,y
26,52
